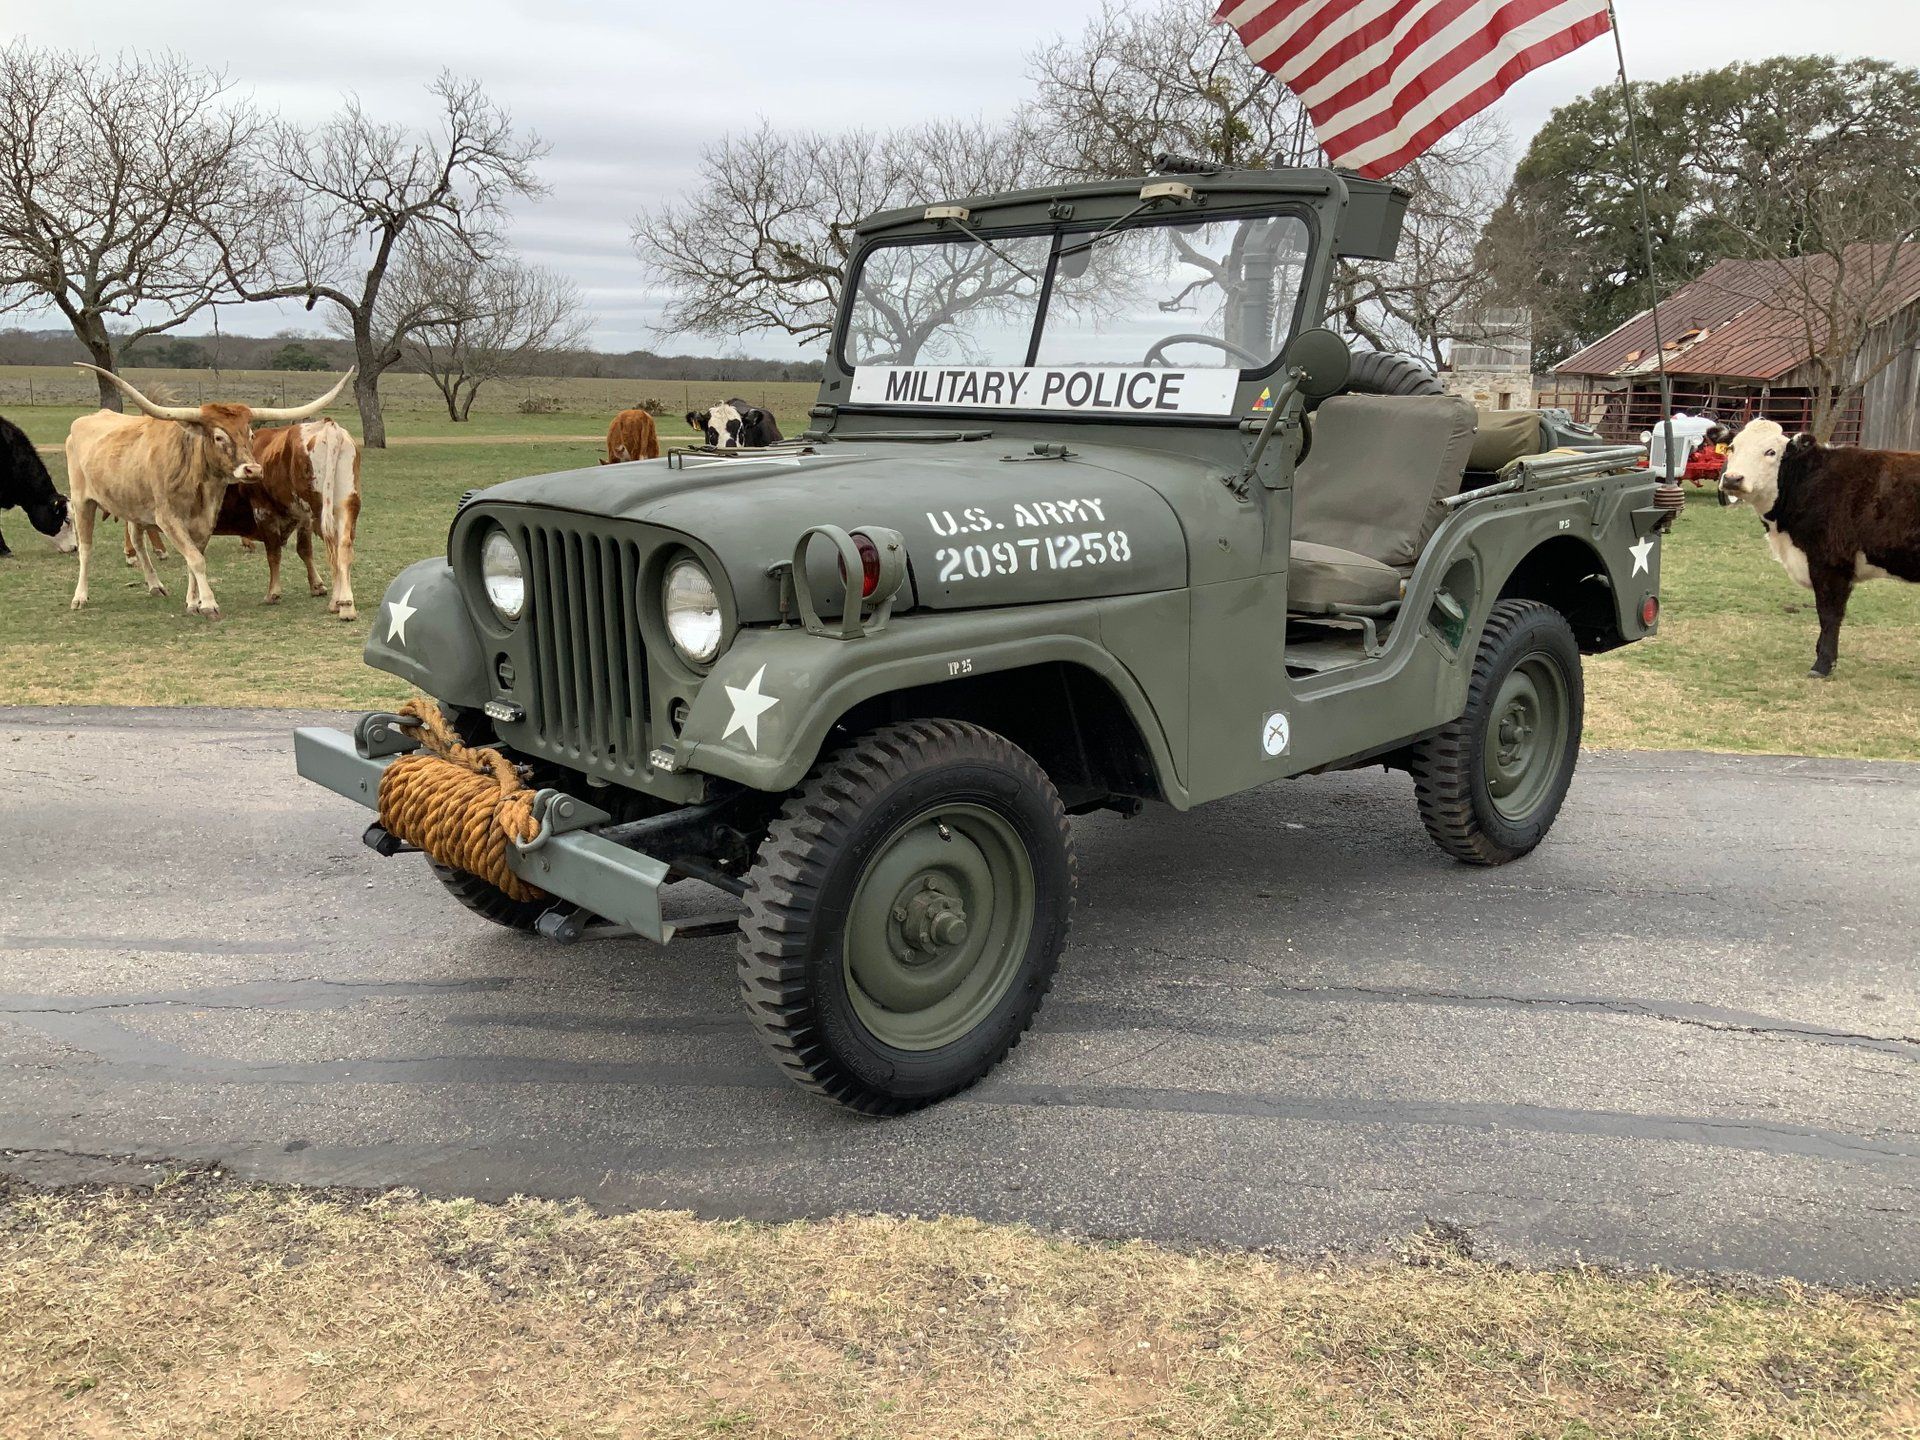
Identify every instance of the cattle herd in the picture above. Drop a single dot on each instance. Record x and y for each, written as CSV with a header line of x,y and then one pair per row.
x,y
178,475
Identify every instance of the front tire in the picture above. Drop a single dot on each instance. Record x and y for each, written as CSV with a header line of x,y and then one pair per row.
x,y
1490,784
487,900
906,914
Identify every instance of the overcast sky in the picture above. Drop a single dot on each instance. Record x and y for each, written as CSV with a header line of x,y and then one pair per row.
x,y
627,100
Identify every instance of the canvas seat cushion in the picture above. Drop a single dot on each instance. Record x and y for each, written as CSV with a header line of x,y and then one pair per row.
x,y
1321,577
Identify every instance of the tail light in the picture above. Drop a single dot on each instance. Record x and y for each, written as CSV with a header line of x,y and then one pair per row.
x,y
869,565
1649,610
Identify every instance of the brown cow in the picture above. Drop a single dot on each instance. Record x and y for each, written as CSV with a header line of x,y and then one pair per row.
x,y
310,480
632,436
1833,517
170,467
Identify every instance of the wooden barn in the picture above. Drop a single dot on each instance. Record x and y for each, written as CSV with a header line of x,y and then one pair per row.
x,y
1739,344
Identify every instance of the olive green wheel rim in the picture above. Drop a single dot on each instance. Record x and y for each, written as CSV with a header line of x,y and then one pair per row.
x,y
939,926
1527,735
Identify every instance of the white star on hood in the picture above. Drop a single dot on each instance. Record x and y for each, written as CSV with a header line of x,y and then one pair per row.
x,y
398,613
748,706
1642,556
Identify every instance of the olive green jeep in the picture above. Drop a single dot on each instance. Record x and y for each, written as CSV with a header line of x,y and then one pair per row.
x,y
1089,514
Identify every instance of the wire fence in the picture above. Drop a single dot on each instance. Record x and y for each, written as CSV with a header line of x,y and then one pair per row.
x,y
236,386
1624,418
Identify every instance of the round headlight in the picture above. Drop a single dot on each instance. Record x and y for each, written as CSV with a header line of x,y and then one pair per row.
x,y
503,577
692,611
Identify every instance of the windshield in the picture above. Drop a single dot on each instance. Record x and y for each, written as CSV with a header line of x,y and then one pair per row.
x,y
1216,292
952,301
1182,295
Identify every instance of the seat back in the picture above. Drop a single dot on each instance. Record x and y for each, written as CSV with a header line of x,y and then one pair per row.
x,y
1378,471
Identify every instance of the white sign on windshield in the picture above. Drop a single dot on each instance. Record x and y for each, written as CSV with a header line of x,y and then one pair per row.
x,y
1108,390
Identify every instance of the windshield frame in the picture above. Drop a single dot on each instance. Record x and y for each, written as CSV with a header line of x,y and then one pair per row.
x,y
1066,231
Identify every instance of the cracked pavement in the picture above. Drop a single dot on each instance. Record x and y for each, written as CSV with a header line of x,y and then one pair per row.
x,y
1685,1033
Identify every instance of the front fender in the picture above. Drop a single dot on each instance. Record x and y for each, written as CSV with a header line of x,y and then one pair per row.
x,y
763,715
423,633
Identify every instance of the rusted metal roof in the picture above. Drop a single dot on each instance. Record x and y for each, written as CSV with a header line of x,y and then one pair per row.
x,y
1748,319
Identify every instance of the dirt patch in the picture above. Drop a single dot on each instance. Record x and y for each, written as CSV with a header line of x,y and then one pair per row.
x,y
203,1308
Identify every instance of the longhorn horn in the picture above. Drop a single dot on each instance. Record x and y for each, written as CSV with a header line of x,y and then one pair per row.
x,y
158,412
301,412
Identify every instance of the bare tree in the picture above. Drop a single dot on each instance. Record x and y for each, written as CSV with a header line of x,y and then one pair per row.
x,y
1847,299
356,190
503,319
1438,290
1143,78
762,241
113,175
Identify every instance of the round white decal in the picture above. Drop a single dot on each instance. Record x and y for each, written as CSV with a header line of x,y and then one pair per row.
x,y
1276,734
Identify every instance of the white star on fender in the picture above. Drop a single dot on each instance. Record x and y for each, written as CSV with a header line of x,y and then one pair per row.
x,y
1642,556
748,706
398,613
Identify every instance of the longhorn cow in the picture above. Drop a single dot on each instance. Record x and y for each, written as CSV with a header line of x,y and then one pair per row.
x,y
168,467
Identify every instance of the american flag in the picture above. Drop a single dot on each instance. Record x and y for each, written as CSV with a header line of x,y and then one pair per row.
x,y
1384,79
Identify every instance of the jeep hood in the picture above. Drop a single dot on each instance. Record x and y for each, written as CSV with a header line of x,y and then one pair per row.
x,y
980,529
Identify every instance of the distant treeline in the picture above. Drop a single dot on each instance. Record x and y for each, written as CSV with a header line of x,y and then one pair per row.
x,y
313,352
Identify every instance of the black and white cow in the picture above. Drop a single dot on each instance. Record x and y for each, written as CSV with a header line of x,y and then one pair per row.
x,y
734,424
1833,516
24,481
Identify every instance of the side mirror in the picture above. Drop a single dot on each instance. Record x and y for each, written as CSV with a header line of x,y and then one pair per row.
x,y
1323,360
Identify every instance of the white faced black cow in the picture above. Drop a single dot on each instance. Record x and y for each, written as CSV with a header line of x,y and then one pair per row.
x,y
1833,517
734,424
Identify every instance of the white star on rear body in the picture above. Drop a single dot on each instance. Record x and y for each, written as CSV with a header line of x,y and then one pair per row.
x,y
748,706
1642,556
398,613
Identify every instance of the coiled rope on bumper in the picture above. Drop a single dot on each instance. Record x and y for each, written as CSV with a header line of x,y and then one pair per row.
x,y
459,803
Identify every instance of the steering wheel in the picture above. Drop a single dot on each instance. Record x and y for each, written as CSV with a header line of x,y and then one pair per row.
x,y
1155,352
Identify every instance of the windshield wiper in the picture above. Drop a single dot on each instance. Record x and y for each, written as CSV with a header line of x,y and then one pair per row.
x,y
992,248
1066,250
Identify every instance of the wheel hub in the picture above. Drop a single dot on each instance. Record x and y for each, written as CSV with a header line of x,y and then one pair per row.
x,y
1516,728
932,918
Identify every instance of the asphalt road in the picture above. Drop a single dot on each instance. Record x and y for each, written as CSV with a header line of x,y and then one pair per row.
x,y
1685,1033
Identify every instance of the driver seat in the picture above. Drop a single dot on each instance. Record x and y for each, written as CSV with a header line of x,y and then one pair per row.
x,y
1370,494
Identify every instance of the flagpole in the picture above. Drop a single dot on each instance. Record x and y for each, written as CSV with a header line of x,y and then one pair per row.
x,y
1665,423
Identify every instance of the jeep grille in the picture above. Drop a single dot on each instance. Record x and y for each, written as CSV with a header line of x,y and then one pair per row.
x,y
587,696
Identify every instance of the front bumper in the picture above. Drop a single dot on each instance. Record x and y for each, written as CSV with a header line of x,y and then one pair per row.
x,y
619,885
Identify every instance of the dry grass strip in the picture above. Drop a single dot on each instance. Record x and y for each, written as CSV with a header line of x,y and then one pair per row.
x,y
204,1308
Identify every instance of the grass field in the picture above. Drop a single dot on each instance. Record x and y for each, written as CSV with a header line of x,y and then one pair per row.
x,y
1727,672
206,1309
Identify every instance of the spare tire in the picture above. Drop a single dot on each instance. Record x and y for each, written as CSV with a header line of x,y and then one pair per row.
x,y
1377,374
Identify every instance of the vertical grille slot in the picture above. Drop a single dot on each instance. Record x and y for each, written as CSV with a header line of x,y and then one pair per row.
x,y
587,696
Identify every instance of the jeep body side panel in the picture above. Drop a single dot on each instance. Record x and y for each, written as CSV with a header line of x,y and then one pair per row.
x,y
1420,681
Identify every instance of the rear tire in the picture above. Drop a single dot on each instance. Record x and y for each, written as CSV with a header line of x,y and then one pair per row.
x,y
1490,784
906,914
488,901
